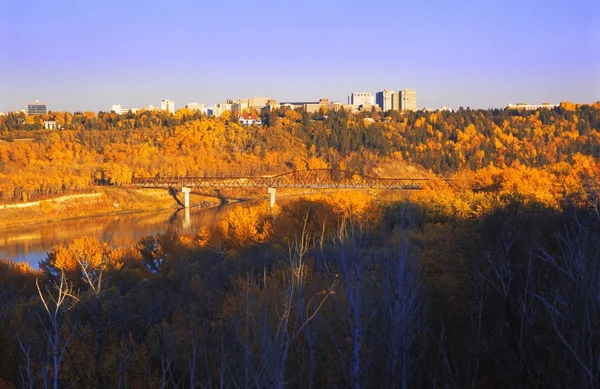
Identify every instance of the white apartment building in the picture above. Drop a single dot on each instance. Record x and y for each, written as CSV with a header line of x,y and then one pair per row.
x,y
218,109
259,102
238,106
526,106
167,105
195,106
361,98
408,100
119,110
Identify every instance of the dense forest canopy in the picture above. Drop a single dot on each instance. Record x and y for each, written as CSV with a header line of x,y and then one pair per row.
x,y
491,282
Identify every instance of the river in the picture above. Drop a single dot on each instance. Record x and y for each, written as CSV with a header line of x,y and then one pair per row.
x,y
31,243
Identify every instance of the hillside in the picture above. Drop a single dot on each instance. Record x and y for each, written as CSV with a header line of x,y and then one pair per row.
x,y
396,168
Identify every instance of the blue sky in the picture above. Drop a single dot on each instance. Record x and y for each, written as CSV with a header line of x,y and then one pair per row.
x,y
88,55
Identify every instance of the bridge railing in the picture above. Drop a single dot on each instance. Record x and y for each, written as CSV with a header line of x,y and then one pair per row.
x,y
315,178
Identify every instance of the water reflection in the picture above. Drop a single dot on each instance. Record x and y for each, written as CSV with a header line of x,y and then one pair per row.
x,y
31,243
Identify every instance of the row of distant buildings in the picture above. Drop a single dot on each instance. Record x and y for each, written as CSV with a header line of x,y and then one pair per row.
x,y
404,100
526,106
385,100
165,105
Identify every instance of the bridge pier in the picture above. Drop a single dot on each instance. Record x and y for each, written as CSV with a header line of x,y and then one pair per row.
x,y
272,192
187,220
186,195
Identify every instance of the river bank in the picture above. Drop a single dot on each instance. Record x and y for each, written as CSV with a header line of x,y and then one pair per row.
x,y
105,201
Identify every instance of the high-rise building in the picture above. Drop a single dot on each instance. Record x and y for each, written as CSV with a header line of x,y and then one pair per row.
x,y
359,99
36,108
387,100
408,100
167,105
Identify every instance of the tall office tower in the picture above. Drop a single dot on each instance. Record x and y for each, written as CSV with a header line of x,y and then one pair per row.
x,y
167,105
408,100
386,100
36,108
361,99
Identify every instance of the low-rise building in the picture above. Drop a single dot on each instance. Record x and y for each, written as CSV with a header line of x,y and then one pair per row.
x,y
218,109
312,107
259,102
208,111
271,105
238,107
315,106
195,106
526,106
369,107
50,125
249,121
337,106
293,105
119,110
36,108
167,105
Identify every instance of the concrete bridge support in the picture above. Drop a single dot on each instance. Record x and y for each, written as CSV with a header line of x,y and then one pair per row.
x,y
186,194
272,192
187,220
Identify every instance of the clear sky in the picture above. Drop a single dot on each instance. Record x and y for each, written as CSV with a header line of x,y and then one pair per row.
x,y
89,54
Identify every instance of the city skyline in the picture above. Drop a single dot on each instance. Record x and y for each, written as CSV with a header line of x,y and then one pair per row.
x,y
454,54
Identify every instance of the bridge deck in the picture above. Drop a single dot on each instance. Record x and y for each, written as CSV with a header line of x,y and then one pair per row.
x,y
316,178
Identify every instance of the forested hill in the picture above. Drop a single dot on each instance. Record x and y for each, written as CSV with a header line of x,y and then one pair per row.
x,y
107,148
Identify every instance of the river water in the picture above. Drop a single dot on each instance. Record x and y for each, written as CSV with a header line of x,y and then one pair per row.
x,y
32,243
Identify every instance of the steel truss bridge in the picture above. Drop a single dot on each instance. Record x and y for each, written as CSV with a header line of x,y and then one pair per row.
x,y
313,178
